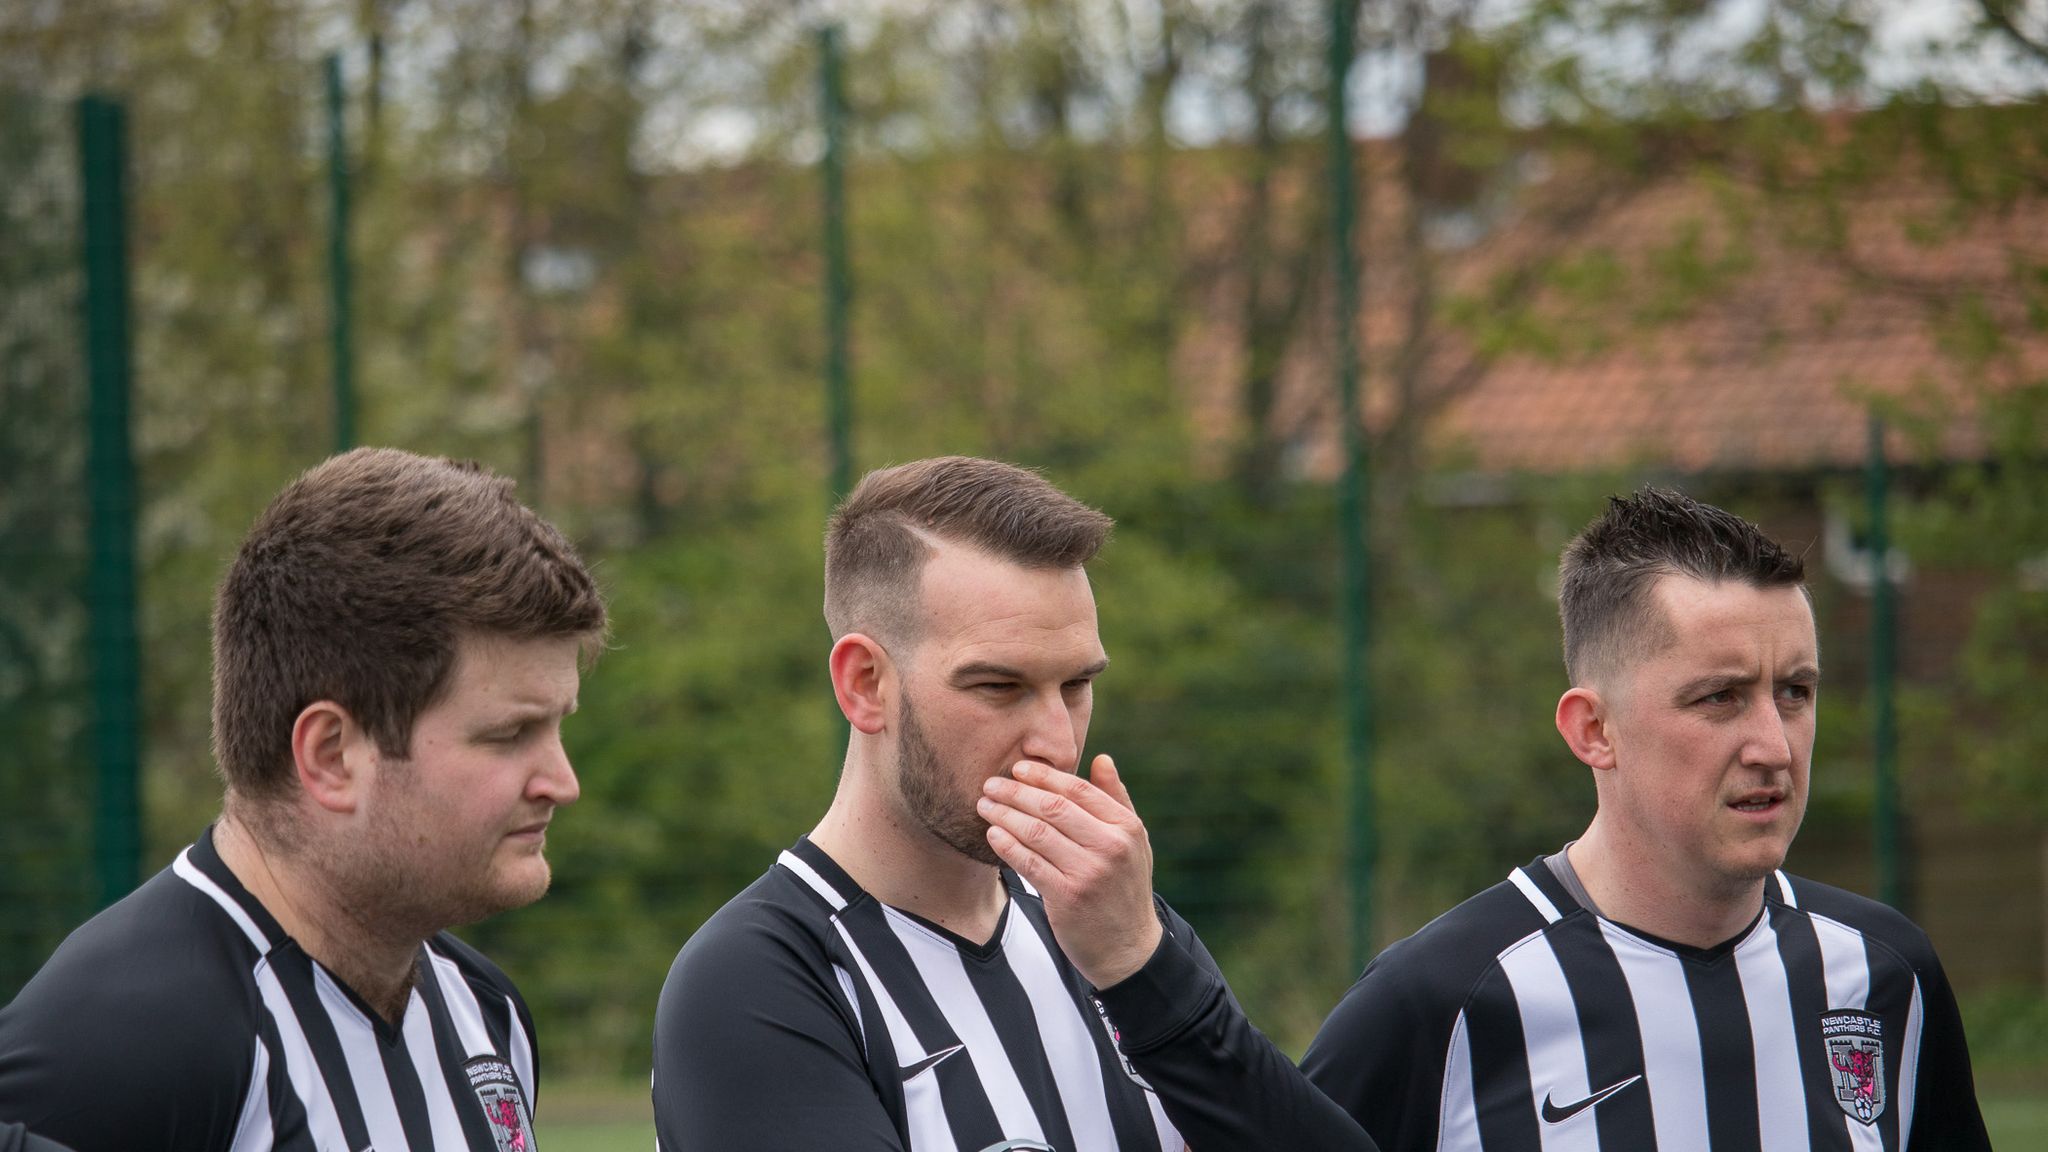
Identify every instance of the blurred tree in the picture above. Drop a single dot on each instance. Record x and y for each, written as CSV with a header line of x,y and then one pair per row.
x,y
1086,235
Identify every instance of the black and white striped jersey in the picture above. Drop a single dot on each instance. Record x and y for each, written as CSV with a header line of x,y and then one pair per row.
x,y
1521,1021
183,1018
807,1015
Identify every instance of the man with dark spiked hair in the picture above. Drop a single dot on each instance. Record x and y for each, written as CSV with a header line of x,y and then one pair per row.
x,y
395,647
965,954
1660,982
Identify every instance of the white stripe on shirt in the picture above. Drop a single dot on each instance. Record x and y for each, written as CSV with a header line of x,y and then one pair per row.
x,y
1550,1030
1767,994
924,1111
1674,1067
359,1045
939,966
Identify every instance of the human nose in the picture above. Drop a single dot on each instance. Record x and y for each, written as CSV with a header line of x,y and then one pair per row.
x,y
555,779
1768,742
1052,738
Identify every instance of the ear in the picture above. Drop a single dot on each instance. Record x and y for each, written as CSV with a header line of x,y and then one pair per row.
x,y
863,678
330,751
1582,721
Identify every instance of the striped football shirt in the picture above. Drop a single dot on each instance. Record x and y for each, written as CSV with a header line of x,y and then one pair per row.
x,y
184,1018
1523,1021
807,1014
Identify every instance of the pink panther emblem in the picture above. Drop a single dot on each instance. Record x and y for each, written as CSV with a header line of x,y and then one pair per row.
x,y
1862,1068
1854,1042
505,1114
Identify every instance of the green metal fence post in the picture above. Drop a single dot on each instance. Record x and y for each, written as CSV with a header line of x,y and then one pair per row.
x,y
1883,660
338,316
1354,499
110,579
838,400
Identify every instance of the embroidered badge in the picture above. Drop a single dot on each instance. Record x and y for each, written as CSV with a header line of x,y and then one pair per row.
x,y
1855,1049
497,1090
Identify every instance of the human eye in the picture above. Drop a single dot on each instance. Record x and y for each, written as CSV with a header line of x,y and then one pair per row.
x,y
1796,693
1720,696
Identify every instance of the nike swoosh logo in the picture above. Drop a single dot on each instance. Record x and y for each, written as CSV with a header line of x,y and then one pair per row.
x,y
1552,1114
930,1061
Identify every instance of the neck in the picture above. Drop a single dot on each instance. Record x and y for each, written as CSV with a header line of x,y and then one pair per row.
x,y
903,865
1631,885
375,962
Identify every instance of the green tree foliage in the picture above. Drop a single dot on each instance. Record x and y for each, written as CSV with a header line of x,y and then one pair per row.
x,y
1087,236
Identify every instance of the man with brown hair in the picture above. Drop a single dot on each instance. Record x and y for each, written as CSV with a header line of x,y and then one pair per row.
x,y
395,647
1659,982
888,986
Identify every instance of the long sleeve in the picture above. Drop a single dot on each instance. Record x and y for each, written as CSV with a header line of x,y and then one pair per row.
x,y
1221,1081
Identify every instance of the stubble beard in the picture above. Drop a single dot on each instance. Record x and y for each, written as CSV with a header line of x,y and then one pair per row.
x,y
921,781
402,876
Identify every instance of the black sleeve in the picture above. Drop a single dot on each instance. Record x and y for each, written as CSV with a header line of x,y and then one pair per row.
x,y
1222,1083
15,1138
1946,1117
127,1054
1381,1059
756,1047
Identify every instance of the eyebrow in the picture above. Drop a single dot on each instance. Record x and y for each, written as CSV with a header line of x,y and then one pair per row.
x,y
528,713
1806,674
982,669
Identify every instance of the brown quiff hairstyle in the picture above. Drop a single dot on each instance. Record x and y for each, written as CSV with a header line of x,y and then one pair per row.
x,y
356,584
880,536
1607,571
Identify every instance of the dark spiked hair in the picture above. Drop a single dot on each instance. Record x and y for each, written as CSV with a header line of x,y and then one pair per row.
x,y
1607,571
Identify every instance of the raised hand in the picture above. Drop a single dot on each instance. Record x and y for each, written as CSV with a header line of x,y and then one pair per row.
x,y
1081,844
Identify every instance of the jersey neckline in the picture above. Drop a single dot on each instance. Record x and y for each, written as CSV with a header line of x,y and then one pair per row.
x,y
850,892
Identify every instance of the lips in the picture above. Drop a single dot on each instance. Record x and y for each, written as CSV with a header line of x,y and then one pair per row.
x,y
1757,802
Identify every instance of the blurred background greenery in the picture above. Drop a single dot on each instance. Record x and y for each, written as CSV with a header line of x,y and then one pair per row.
x,y
1603,242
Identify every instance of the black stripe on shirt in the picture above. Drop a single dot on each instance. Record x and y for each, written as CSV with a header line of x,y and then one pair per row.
x,y
294,971
406,1093
1611,1034
1891,982
1130,1116
1002,994
877,1050
1547,883
1728,1051
1806,982
291,1130
969,1113
1506,1105
476,1127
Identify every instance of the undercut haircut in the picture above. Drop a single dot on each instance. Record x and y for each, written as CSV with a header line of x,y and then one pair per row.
x,y
1607,572
357,583
881,535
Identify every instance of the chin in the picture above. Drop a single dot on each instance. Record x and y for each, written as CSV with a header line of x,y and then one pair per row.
x,y
519,886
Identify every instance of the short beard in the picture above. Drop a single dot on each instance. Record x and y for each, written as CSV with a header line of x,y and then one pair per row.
x,y
920,780
403,886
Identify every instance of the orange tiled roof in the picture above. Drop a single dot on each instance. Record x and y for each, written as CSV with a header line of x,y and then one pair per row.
x,y
1773,365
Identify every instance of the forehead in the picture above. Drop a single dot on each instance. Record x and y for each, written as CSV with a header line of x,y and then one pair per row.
x,y
503,671
1727,622
978,606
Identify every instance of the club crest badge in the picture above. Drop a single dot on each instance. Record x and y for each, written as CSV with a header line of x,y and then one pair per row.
x,y
1855,1052
505,1110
